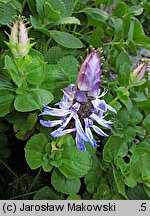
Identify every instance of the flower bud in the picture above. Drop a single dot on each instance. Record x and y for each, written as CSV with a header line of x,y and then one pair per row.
x,y
19,43
137,75
89,74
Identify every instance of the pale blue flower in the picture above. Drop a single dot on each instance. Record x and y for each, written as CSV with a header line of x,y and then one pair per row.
x,y
81,106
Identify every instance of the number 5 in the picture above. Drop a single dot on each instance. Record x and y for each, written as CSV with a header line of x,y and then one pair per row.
x,y
143,207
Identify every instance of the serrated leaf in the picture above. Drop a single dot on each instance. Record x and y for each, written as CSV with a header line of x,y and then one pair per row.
x,y
96,14
69,65
69,7
66,39
45,193
64,185
40,7
6,102
6,84
32,6
7,12
114,148
55,78
75,163
137,193
35,71
36,23
35,152
50,13
93,176
59,6
122,58
13,71
53,55
22,124
32,100
119,180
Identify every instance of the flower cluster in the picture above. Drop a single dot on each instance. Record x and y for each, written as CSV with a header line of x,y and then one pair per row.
x,y
19,43
81,105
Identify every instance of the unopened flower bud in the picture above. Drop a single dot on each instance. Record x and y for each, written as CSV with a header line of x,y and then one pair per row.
x,y
89,74
19,43
138,74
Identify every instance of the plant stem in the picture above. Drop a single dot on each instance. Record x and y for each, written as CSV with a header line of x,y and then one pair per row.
x,y
114,43
35,179
116,98
9,168
22,195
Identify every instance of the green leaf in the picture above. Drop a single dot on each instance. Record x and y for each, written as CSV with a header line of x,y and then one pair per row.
x,y
69,7
135,10
66,20
32,100
35,152
6,99
123,118
35,71
66,39
64,185
55,78
96,14
120,9
122,94
37,24
119,180
128,103
70,69
103,192
40,7
59,6
136,193
13,71
118,28
122,58
6,84
75,163
126,25
93,176
32,6
129,133
45,193
137,34
50,13
146,123
124,73
23,124
114,148
53,55
7,13
136,117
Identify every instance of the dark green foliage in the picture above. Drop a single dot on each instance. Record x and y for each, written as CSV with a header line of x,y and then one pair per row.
x,y
62,31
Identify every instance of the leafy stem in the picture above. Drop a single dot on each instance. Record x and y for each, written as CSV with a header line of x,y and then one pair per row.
x,y
117,98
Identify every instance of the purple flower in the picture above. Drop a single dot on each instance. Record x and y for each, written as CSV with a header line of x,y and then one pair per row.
x,y
81,106
89,74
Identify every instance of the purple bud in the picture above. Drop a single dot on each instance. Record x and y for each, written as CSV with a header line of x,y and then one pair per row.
x,y
138,74
89,74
